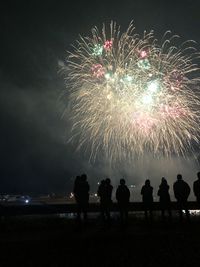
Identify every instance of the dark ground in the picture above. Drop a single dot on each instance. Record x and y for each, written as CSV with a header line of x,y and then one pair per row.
x,y
54,241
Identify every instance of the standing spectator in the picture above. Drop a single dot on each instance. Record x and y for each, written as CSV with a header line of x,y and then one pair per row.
x,y
81,193
147,198
100,193
165,202
105,194
123,197
181,193
196,188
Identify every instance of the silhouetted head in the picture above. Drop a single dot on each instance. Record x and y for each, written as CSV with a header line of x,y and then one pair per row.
x,y
107,181
122,181
198,175
163,180
84,177
179,177
147,182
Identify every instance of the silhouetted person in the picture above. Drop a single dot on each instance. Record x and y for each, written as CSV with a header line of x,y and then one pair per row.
x,y
147,198
123,197
165,202
181,193
105,194
81,193
100,193
196,188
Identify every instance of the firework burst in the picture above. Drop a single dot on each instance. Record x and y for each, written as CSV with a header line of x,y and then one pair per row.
x,y
129,95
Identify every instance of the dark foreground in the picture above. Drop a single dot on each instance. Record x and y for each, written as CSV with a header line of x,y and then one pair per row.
x,y
56,241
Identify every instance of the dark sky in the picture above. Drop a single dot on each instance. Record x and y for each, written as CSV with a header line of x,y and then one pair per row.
x,y
34,156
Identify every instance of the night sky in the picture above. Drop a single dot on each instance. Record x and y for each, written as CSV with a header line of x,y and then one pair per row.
x,y
34,154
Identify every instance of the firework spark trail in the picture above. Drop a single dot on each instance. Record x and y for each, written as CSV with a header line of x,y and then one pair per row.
x,y
130,95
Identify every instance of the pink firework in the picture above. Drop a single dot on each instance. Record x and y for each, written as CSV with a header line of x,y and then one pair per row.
x,y
143,54
98,70
108,45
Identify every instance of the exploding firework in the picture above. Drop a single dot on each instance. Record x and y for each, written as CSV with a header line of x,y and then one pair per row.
x,y
130,95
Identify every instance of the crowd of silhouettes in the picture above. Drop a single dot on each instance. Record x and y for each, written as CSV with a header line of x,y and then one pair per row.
x,y
181,191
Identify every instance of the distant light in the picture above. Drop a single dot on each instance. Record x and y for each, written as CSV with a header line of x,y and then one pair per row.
x,y
193,211
71,195
95,194
26,201
98,183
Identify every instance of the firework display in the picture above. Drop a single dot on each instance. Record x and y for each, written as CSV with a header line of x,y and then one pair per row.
x,y
130,95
